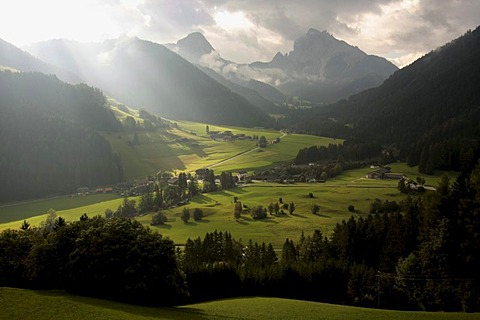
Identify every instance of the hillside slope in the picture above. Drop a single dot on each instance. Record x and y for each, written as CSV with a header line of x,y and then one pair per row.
x,y
429,110
39,305
50,143
13,57
147,75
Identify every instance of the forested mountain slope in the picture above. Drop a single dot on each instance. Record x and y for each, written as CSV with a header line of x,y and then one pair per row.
x,y
147,75
49,141
429,110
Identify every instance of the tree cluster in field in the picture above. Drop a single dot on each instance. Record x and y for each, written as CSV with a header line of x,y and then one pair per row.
x,y
108,258
197,214
319,172
50,144
260,212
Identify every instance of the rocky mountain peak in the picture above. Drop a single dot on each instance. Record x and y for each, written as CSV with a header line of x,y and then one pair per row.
x,y
195,44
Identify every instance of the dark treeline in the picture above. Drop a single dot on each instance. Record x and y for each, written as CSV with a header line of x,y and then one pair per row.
x,y
422,254
348,151
115,259
49,141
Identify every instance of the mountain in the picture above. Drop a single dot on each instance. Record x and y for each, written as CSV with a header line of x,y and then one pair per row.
x,y
320,68
267,91
15,58
429,111
323,69
193,47
251,95
196,49
50,140
147,75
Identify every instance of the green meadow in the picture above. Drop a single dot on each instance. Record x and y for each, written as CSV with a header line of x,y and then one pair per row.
x,y
39,305
333,197
27,209
187,147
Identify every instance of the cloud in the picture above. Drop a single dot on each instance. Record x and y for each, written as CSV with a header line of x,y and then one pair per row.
x,y
395,29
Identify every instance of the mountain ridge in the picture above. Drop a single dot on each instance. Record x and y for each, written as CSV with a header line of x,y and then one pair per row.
x,y
14,57
429,110
320,67
147,75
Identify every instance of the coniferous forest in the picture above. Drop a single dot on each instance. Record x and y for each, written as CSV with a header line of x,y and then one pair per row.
x,y
50,140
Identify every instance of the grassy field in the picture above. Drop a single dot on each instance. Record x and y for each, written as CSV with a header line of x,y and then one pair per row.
x,y
39,305
188,147
97,206
27,209
333,197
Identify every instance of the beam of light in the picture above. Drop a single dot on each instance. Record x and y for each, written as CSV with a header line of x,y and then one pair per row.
x,y
25,21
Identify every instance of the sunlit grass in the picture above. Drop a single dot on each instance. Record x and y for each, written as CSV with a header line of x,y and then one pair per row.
x,y
333,197
26,209
187,147
39,305
35,219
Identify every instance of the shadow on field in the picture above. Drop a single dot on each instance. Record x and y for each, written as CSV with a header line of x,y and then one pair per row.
x,y
203,221
198,151
164,226
200,198
173,313
223,193
268,220
299,215
283,216
238,190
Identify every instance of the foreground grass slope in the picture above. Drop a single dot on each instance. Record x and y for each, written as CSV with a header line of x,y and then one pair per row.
x,y
39,305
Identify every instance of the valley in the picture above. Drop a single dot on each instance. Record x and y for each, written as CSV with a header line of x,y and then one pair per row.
x,y
334,196
173,182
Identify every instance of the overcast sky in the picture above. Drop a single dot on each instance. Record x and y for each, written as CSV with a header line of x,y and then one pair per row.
x,y
247,30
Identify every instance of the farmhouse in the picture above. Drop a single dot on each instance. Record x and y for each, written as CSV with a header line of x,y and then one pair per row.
x,y
173,181
83,190
384,173
242,175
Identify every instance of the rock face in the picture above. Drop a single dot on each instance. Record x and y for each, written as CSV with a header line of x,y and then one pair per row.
x,y
324,69
192,47
320,67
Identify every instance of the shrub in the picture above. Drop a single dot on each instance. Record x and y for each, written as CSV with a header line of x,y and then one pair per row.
x,y
197,214
185,215
158,218
259,213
